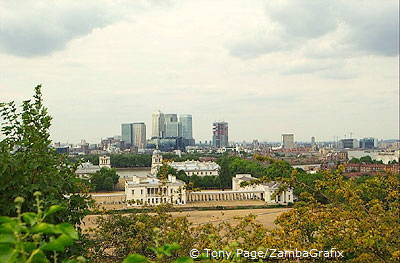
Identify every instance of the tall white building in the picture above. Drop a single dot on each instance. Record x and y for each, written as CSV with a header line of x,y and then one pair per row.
x,y
158,125
288,141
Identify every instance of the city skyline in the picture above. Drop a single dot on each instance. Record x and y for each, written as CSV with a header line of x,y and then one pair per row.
x,y
253,65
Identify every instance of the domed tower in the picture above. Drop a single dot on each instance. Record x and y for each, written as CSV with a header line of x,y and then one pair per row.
x,y
156,162
105,161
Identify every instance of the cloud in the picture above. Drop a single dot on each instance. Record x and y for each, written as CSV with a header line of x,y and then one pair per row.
x,y
38,28
374,27
302,18
344,27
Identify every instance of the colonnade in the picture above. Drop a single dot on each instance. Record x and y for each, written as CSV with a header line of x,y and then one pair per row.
x,y
224,196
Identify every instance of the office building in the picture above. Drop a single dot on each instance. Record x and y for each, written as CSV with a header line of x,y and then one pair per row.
x,y
368,143
288,141
172,126
139,134
220,134
186,124
158,125
126,133
348,144
134,134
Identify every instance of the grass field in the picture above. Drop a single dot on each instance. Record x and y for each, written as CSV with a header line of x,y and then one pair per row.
x,y
265,216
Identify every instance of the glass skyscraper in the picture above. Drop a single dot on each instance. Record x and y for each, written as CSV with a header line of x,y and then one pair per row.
x,y
134,134
126,133
172,126
186,126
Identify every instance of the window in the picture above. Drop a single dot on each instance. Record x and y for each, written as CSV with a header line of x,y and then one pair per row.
x,y
133,192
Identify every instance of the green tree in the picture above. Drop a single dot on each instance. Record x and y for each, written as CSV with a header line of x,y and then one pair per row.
x,y
225,173
278,169
138,233
28,164
105,179
354,160
29,238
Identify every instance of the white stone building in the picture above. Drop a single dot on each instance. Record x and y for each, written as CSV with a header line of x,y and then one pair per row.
x,y
268,189
189,167
197,168
152,191
86,169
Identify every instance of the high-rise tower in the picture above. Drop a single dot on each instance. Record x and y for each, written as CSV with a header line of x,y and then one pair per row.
x,y
287,141
158,125
220,134
186,126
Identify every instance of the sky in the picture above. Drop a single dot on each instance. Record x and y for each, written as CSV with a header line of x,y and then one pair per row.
x,y
312,68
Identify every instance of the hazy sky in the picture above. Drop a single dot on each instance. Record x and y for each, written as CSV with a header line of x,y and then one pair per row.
x,y
314,68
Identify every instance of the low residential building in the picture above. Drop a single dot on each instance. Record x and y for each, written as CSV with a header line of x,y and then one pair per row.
x,y
371,168
153,191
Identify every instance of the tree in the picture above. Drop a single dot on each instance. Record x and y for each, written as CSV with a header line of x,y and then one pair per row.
x,y
164,171
278,169
28,164
105,179
29,238
225,174
354,160
138,233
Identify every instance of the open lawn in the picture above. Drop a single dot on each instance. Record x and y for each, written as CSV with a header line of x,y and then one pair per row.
x,y
265,216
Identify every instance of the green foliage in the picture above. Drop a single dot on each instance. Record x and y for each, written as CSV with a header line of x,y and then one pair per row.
x,y
139,233
184,157
366,160
360,218
28,238
162,254
104,180
306,183
130,160
260,167
166,170
28,164
278,169
200,182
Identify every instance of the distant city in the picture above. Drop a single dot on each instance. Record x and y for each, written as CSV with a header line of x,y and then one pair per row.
x,y
171,132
